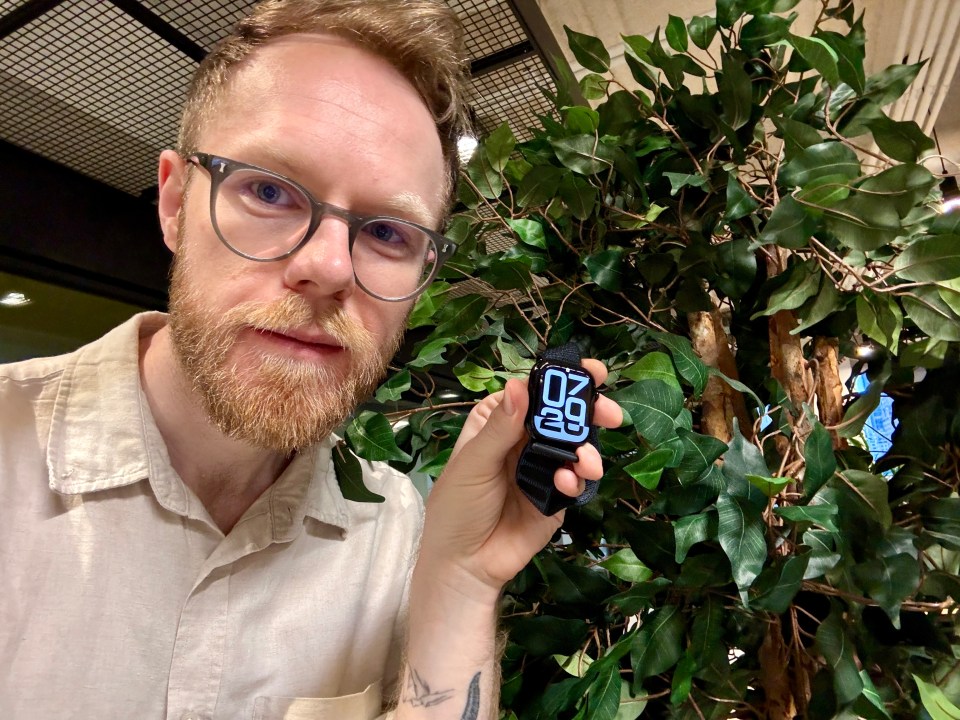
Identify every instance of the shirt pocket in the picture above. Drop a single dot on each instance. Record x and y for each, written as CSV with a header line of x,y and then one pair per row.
x,y
359,706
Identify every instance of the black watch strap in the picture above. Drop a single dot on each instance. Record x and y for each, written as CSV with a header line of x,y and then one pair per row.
x,y
539,461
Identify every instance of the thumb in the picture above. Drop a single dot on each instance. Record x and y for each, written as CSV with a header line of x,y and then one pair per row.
x,y
503,430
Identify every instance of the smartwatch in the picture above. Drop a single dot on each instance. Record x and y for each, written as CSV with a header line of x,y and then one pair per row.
x,y
559,420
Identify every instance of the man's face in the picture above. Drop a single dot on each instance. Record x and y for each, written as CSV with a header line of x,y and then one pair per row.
x,y
282,351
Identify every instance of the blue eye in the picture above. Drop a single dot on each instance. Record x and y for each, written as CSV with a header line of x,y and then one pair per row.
x,y
384,232
268,192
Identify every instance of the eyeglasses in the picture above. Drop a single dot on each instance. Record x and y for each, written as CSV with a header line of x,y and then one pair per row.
x,y
263,216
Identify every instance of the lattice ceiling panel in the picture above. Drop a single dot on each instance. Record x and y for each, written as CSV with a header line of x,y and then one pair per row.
x,y
92,89
89,87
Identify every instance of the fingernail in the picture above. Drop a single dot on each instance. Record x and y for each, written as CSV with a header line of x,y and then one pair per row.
x,y
508,406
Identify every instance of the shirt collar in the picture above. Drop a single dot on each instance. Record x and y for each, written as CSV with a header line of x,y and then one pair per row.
x,y
103,436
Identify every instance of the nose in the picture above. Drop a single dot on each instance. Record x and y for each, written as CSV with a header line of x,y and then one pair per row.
x,y
322,267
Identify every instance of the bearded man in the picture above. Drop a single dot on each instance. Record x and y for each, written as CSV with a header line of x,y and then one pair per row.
x,y
173,541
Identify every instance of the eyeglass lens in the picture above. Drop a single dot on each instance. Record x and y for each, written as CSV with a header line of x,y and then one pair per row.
x,y
263,217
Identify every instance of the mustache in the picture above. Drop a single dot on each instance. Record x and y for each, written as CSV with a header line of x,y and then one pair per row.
x,y
295,312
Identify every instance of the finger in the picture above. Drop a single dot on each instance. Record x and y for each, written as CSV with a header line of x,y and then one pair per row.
x,y
500,432
597,369
607,413
589,464
568,482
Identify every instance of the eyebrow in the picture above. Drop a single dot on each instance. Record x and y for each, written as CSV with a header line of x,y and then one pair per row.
x,y
411,205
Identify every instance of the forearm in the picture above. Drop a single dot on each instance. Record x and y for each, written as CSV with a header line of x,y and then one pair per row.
x,y
451,668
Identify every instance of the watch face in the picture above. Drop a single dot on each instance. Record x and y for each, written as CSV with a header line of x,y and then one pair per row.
x,y
561,404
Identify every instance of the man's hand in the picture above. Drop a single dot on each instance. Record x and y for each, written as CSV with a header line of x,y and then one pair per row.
x,y
479,526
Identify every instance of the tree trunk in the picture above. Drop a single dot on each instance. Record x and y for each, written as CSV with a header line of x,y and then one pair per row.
x,y
720,403
829,386
775,675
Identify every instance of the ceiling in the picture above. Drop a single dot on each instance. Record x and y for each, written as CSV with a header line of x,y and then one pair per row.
x,y
90,93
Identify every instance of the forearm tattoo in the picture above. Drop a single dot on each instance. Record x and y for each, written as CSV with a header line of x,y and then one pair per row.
x,y
419,694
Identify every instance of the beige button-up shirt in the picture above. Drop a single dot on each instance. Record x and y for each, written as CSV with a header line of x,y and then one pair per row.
x,y
121,599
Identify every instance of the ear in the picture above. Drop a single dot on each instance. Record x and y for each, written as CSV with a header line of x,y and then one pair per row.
x,y
171,175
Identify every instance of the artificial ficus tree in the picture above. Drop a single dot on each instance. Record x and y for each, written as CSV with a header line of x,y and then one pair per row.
x,y
726,236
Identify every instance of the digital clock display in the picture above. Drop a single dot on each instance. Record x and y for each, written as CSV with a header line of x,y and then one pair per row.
x,y
561,404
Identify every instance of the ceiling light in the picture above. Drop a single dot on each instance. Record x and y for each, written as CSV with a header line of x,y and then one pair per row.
x,y
865,352
951,204
466,146
14,299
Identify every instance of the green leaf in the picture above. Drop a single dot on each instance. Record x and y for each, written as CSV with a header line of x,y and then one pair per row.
x,y
676,34
648,470
460,316
682,682
498,146
736,91
706,637
588,50
903,141
529,232
511,359
545,635
593,86
740,531
485,177
427,304
823,558
935,701
579,196
890,84
871,493
802,283
678,181
394,387
702,31
849,60
827,302
769,486
700,452
653,366
777,597
437,464
476,378
942,521
825,159
625,565
889,581
739,202
692,529
796,135
819,460
880,318
863,222
930,259
789,226
927,310
870,704
822,515
431,353
371,437
762,31
837,649
575,585
603,698
657,647
350,476
818,55
539,186
652,405
606,268
691,368
584,154
742,459
905,186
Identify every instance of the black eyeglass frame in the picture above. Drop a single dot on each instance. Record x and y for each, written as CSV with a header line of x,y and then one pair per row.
x,y
219,168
